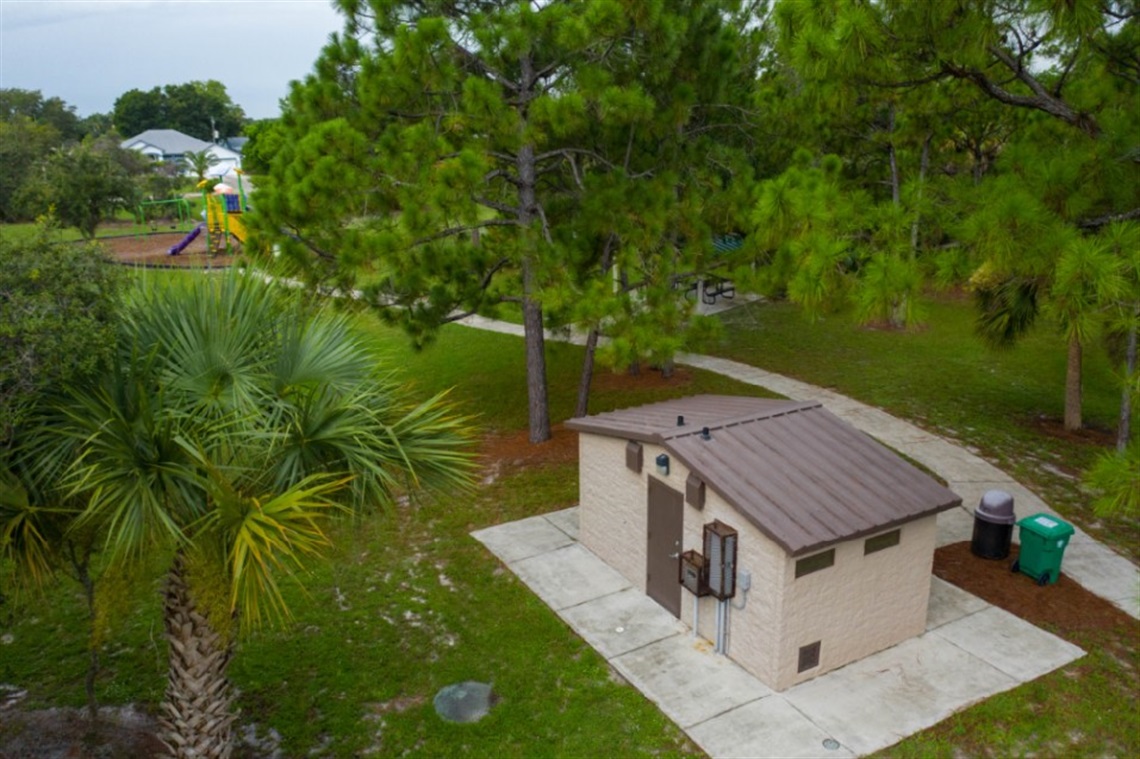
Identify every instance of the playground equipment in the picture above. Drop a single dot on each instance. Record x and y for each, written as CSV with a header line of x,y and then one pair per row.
x,y
223,218
148,213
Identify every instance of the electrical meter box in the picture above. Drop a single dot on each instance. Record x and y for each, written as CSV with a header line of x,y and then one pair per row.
x,y
695,573
720,553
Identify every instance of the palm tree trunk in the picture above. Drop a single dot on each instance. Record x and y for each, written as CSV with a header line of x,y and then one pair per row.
x,y
1073,386
197,719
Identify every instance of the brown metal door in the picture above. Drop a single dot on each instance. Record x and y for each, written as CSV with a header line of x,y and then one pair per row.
x,y
663,543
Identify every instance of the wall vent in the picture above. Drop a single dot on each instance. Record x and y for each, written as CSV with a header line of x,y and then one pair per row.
x,y
809,656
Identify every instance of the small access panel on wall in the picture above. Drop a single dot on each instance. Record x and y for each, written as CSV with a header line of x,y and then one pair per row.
x,y
695,573
720,554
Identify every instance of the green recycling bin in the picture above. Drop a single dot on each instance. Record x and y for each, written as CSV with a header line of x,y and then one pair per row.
x,y
1043,541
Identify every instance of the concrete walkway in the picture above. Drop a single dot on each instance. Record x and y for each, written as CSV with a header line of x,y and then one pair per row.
x,y
970,651
1094,566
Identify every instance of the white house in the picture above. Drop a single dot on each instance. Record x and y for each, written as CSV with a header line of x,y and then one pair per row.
x,y
783,534
172,145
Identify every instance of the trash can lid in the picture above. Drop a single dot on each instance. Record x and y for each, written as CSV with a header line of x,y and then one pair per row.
x,y
996,507
1046,526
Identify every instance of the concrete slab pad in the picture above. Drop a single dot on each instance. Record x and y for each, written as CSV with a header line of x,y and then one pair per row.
x,y
522,539
876,702
1009,643
565,520
569,576
690,682
622,621
770,727
949,603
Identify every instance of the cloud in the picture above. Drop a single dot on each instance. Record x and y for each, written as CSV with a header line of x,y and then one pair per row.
x,y
90,52
29,14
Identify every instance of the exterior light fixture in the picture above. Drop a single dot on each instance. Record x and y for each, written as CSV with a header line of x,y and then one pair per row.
x,y
663,465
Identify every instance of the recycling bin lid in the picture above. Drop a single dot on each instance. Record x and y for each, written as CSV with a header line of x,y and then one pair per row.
x,y
1046,526
996,507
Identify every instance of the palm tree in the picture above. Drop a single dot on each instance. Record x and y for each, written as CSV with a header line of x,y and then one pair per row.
x,y
236,421
200,163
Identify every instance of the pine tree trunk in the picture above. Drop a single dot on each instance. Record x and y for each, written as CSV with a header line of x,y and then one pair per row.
x,y
537,402
528,213
1073,386
582,407
1124,428
197,712
892,155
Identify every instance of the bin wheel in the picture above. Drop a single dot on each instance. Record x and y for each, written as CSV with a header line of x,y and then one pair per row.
x,y
1015,566
1043,580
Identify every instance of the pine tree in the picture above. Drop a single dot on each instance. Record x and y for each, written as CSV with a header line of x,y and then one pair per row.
x,y
454,157
1054,164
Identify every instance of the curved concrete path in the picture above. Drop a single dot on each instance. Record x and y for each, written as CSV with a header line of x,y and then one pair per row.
x,y
1093,565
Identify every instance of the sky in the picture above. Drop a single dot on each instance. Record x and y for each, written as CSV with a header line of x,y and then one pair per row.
x,y
89,52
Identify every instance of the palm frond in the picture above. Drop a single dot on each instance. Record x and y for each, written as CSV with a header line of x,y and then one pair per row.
x,y
270,535
25,532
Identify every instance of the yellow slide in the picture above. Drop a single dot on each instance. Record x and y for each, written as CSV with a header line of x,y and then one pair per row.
x,y
237,228
220,220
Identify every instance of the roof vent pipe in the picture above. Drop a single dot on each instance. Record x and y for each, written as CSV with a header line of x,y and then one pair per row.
x,y
705,434
680,421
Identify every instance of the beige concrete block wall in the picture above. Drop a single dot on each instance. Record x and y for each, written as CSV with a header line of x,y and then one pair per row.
x,y
860,605
612,524
613,504
752,630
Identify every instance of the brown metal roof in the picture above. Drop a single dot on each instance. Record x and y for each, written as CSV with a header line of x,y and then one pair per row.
x,y
800,474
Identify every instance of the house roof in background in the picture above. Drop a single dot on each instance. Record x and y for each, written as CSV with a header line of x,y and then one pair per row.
x,y
169,141
798,473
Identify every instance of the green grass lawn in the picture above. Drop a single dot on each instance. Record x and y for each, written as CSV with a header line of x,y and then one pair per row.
x,y
124,223
409,602
1004,404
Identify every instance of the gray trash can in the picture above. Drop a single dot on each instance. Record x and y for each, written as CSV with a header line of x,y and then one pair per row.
x,y
993,525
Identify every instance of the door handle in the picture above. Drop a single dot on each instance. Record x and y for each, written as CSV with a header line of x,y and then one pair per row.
x,y
674,555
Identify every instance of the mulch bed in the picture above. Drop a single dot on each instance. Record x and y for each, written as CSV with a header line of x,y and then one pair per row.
x,y
153,250
1064,608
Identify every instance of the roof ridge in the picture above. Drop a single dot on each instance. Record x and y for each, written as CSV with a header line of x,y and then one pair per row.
x,y
733,421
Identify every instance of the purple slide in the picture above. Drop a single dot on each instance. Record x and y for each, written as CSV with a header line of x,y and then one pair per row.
x,y
181,246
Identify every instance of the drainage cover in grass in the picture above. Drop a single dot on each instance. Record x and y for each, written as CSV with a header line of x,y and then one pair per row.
x,y
465,702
